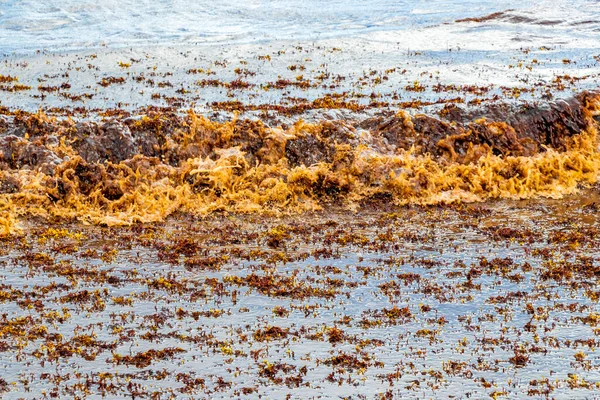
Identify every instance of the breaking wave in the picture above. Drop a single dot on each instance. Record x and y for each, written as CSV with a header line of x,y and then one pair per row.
x,y
129,170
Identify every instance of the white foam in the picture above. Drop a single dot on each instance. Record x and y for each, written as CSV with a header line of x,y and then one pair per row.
x,y
27,25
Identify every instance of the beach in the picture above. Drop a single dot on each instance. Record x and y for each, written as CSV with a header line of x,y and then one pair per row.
x,y
292,200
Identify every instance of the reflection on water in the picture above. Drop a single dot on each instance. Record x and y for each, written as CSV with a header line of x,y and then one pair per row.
x,y
499,300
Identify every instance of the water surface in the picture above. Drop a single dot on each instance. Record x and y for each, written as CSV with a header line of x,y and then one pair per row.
x,y
31,25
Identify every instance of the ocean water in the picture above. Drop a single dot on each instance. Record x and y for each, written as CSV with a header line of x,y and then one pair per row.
x,y
29,25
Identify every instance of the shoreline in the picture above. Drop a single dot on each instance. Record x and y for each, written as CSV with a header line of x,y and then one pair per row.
x,y
402,213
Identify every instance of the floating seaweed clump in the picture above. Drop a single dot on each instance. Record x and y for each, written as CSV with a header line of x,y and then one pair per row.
x,y
128,170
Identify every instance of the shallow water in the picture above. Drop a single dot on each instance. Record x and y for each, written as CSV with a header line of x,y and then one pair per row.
x,y
465,320
31,25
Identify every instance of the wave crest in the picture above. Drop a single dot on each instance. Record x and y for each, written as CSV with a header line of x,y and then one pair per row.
x,y
143,170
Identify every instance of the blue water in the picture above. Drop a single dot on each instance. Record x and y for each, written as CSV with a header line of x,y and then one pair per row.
x,y
30,25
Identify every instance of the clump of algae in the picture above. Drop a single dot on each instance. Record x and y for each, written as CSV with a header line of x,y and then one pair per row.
x,y
8,224
205,167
